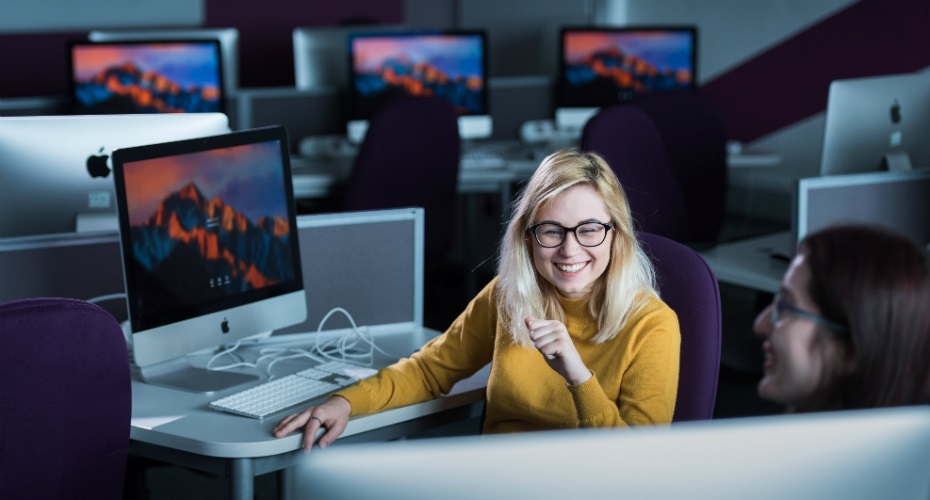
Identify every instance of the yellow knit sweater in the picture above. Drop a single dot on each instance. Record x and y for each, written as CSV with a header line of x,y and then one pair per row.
x,y
635,374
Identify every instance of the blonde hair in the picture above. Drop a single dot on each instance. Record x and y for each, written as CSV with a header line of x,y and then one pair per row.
x,y
626,285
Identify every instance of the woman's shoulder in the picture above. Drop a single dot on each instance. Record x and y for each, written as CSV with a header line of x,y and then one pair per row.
x,y
490,291
655,309
486,299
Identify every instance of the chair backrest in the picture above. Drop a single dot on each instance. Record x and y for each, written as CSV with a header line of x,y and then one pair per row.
x,y
692,129
410,158
65,400
628,139
688,285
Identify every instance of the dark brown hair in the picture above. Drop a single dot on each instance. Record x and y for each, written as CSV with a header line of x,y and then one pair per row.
x,y
877,283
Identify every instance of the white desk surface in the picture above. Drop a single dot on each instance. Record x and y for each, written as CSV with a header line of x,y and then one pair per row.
x,y
182,421
749,263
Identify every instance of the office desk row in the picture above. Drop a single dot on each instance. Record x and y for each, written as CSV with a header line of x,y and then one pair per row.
x,y
315,177
178,427
895,200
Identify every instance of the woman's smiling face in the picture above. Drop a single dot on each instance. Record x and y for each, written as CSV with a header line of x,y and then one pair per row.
x,y
571,268
799,357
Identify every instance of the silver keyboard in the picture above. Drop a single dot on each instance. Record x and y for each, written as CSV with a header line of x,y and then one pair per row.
x,y
271,397
481,159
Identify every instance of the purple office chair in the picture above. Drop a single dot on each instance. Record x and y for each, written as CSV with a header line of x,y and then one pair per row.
x,y
689,287
410,157
65,400
694,135
628,139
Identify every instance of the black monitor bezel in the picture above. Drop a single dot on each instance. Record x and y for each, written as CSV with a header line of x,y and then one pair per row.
x,y
74,106
561,85
120,157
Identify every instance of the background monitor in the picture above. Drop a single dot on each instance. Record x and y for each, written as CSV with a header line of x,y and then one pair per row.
x,y
600,66
448,64
320,57
154,76
852,455
55,170
877,123
228,38
899,201
209,247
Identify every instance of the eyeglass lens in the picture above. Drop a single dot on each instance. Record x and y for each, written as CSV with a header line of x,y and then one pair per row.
x,y
780,306
590,234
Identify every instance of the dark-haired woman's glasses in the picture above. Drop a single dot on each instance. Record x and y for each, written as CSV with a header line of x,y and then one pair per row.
x,y
781,306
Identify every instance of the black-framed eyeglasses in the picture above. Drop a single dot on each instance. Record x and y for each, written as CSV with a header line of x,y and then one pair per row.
x,y
781,306
588,234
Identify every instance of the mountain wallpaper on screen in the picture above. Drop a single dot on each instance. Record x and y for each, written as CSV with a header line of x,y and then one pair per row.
x,y
125,88
194,249
398,76
625,71
605,76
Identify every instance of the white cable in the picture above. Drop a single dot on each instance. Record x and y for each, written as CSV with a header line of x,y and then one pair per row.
x,y
229,351
338,349
101,298
341,344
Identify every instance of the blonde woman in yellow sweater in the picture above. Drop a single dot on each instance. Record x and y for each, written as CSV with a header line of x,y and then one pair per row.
x,y
572,325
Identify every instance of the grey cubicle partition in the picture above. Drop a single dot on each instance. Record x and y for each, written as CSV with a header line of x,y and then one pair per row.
x,y
84,266
897,200
369,263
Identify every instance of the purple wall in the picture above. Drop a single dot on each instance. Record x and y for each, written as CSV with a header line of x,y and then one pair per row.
x,y
36,64
790,81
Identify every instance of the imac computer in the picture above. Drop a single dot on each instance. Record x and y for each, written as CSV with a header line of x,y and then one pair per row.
x,y
853,455
877,123
55,170
146,76
210,252
228,38
320,53
447,64
600,66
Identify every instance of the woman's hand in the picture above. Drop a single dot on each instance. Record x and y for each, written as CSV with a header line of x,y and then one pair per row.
x,y
333,415
552,340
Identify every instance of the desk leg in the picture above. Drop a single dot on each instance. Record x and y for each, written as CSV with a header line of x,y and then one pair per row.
x,y
241,479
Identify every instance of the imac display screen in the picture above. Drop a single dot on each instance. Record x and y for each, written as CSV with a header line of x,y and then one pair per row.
x,y
55,170
603,66
168,76
228,38
877,123
209,242
450,65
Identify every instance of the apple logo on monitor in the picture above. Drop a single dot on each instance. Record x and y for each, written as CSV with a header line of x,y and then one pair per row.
x,y
224,326
97,164
895,112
